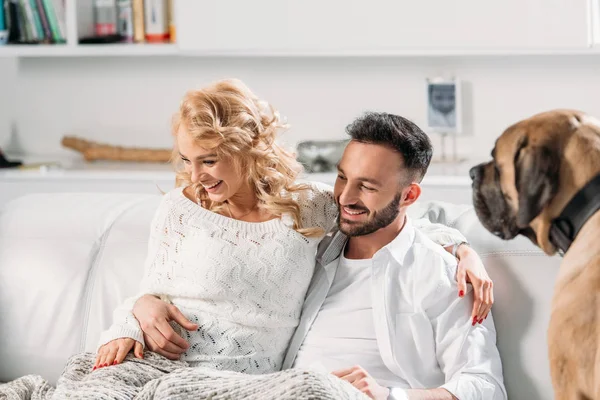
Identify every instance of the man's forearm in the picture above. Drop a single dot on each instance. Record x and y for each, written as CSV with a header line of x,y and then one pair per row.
x,y
430,394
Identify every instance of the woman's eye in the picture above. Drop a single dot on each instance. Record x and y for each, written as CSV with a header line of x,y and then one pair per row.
x,y
370,189
342,177
185,160
209,162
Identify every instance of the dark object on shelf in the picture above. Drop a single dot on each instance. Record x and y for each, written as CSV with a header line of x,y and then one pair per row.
x,y
116,38
12,16
4,163
320,155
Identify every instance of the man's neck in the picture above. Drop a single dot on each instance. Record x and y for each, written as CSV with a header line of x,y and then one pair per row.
x,y
364,247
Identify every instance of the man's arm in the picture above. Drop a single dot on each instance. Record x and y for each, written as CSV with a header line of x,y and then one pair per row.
x,y
470,267
437,232
466,353
363,381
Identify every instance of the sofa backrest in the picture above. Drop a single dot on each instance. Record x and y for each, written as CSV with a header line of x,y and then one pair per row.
x,y
67,260
524,279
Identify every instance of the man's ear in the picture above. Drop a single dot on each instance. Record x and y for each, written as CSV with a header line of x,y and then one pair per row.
x,y
536,180
410,194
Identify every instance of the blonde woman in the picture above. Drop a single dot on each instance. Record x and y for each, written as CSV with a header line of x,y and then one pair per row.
x,y
232,250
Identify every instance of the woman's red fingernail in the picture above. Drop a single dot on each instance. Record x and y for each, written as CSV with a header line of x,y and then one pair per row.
x,y
115,362
461,293
474,321
105,365
93,369
481,320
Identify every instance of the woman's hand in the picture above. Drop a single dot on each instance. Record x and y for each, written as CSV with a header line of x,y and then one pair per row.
x,y
154,316
114,352
472,270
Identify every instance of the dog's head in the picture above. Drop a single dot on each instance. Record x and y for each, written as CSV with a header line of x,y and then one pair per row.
x,y
537,166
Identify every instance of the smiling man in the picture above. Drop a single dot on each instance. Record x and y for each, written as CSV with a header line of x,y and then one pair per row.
x,y
382,312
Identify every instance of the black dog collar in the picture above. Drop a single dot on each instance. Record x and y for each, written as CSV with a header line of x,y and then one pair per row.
x,y
582,206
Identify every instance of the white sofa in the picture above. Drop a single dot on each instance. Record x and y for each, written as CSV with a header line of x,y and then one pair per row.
x,y
66,260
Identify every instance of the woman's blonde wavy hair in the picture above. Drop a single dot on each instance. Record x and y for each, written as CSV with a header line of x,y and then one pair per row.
x,y
228,118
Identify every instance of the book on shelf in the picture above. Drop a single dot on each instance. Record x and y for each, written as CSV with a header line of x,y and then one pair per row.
x,y
34,21
139,21
44,21
139,31
3,30
125,19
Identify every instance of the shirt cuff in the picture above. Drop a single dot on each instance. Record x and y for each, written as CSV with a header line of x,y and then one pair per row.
x,y
470,387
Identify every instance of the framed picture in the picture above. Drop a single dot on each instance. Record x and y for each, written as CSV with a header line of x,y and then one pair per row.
x,y
444,106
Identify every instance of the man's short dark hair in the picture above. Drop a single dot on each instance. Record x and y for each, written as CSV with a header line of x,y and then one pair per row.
x,y
397,133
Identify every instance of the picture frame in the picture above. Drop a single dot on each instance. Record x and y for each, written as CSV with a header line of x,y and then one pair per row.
x,y
444,105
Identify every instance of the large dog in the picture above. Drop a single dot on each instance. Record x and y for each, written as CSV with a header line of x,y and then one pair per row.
x,y
544,183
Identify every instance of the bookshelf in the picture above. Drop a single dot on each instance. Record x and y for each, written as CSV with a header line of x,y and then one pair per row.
x,y
580,35
78,21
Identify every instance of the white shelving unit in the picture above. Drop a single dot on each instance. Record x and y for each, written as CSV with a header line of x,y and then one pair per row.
x,y
172,49
89,50
383,26
79,20
570,38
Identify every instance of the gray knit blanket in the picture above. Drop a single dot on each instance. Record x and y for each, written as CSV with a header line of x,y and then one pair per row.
x,y
156,377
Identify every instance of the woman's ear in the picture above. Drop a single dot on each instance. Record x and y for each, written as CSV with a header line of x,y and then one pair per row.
x,y
410,194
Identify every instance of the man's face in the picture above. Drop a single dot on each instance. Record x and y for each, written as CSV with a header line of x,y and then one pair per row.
x,y
368,188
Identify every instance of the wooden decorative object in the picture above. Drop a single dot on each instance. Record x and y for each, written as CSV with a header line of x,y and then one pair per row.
x,y
93,151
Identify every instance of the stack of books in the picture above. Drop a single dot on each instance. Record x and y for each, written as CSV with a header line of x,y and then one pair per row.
x,y
44,21
32,21
137,21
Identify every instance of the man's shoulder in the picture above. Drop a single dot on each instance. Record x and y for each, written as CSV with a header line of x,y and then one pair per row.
x,y
427,247
434,261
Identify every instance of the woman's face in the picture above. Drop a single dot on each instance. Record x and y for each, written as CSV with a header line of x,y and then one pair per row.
x,y
218,176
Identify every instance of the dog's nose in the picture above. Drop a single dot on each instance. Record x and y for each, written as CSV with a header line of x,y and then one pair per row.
x,y
475,172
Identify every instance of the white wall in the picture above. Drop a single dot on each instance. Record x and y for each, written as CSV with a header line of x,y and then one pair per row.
x,y
8,73
129,101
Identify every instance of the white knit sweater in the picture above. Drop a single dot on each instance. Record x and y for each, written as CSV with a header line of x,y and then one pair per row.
x,y
243,283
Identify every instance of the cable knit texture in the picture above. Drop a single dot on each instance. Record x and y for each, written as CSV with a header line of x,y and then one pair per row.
x,y
156,378
243,283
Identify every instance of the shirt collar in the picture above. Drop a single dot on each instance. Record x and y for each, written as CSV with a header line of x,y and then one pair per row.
x,y
334,242
401,243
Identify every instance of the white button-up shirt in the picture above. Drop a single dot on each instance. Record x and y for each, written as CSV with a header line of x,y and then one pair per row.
x,y
424,330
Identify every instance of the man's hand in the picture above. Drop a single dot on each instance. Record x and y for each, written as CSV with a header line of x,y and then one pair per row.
x,y
154,316
472,270
360,379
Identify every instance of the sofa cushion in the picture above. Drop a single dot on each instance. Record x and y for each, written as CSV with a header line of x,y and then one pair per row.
x,y
57,256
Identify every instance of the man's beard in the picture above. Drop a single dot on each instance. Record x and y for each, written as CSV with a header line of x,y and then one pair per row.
x,y
381,219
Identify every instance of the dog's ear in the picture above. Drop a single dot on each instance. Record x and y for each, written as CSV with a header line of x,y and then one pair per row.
x,y
536,180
